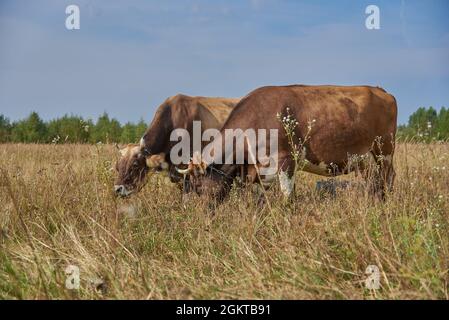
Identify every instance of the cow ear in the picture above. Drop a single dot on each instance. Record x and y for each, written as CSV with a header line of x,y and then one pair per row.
x,y
122,151
156,161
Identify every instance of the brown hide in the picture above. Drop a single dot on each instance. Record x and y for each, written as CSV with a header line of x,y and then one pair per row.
x,y
176,112
179,112
346,121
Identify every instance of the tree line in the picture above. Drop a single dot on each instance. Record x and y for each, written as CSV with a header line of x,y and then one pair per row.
x,y
70,129
425,124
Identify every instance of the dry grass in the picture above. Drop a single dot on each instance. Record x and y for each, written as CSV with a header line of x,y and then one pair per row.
x,y
57,208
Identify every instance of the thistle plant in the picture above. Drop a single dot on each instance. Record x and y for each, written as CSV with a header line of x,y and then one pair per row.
x,y
297,144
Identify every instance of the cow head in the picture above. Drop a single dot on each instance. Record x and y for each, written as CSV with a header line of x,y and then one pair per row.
x,y
206,180
132,167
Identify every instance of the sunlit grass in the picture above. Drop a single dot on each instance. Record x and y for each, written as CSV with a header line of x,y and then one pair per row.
x,y
57,209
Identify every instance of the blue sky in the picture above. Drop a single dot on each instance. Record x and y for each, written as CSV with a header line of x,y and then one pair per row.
x,y
129,56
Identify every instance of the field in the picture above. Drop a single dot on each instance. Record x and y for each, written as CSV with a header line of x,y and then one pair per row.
x,y
57,209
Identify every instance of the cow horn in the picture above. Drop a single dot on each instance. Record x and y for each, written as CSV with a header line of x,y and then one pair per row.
x,y
182,171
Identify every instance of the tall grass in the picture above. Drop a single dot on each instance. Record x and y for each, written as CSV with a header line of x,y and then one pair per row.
x,y
57,209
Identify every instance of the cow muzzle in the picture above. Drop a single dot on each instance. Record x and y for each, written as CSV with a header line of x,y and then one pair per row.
x,y
120,190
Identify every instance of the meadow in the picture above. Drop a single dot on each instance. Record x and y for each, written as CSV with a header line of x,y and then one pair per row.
x,y
57,208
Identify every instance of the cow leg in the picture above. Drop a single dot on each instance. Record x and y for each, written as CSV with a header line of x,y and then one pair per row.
x,y
259,192
259,184
387,174
384,150
380,177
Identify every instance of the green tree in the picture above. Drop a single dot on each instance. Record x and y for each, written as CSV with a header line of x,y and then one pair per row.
x,y
30,130
141,127
423,120
71,129
106,130
442,125
5,129
131,133
128,133
426,124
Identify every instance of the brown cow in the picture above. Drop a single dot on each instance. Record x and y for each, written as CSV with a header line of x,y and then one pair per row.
x,y
349,122
152,153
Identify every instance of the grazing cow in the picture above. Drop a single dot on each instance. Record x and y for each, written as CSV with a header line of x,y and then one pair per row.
x,y
349,122
177,112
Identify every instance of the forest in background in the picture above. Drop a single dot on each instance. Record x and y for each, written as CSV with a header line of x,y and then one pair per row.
x,y
70,129
425,125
